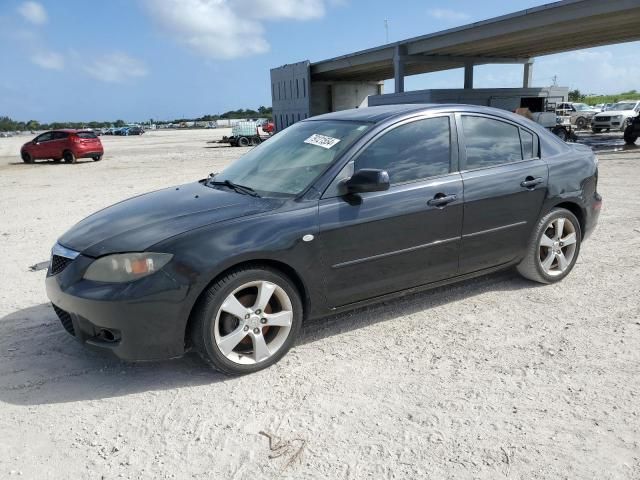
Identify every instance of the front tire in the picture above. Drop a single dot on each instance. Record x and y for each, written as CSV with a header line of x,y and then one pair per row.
x,y
581,122
247,320
26,157
629,136
69,157
553,248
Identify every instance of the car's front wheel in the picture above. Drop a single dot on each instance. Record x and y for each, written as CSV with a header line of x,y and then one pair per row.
x,y
26,157
247,320
553,248
69,157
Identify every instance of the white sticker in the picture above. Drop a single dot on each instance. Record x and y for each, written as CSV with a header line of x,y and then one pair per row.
x,y
321,140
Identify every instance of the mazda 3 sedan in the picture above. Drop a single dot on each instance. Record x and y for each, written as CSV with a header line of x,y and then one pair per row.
x,y
335,212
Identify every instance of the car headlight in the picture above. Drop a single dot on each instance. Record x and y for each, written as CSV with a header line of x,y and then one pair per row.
x,y
616,117
126,267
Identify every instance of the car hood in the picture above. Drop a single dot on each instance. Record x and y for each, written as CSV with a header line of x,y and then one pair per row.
x,y
140,222
613,113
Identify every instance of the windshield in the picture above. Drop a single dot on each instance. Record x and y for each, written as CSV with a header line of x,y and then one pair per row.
x,y
623,106
581,106
288,163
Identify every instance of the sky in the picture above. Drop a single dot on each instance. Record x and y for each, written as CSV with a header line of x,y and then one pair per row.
x,y
82,60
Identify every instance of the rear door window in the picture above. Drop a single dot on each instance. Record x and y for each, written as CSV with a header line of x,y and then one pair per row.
x,y
86,135
529,141
490,142
60,135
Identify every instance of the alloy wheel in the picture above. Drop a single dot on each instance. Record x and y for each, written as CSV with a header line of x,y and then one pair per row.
x,y
557,246
253,322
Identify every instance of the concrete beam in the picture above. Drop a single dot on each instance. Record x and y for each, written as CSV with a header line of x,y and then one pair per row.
x,y
398,67
468,75
463,60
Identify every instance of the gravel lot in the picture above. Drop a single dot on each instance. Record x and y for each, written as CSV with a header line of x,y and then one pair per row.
x,y
492,378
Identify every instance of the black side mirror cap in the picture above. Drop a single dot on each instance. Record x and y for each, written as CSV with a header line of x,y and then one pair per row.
x,y
365,180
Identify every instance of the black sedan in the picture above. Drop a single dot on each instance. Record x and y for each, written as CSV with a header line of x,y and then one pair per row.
x,y
334,212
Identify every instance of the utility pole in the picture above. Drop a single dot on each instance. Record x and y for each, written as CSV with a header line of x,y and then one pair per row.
x,y
555,80
386,30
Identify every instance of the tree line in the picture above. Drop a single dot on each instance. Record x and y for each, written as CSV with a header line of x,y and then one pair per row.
x,y
9,125
577,96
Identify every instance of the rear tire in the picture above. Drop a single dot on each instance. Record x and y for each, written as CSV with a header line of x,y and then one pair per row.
x,y
581,122
243,142
26,157
630,137
553,248
97,158
236,344
69,157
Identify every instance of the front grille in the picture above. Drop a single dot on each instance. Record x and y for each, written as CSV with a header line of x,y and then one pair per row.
x,y
603,119
65,319
59,263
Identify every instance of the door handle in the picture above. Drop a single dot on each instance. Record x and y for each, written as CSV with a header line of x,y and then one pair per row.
x,y
440,200
531,182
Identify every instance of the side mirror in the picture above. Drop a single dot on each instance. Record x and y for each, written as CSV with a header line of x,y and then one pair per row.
x,y
365,180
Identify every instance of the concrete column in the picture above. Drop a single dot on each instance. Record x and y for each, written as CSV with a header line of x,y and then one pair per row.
x,y
528,74
398,68
468,75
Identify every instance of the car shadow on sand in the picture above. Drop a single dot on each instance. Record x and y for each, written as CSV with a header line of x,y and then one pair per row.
x,y
41,364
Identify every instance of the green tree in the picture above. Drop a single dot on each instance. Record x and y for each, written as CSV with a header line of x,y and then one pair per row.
x,y
575,95
119,123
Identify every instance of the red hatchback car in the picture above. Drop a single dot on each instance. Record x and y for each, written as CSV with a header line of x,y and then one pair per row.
x,y
67,145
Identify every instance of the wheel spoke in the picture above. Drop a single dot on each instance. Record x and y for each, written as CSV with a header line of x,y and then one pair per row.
x,y
234,307
230,341
562,261
280,319
265,291
260,348
569,239
545,241
546,263
559,229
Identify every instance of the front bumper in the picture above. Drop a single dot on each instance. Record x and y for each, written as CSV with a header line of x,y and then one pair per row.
x,y
140,320
607,124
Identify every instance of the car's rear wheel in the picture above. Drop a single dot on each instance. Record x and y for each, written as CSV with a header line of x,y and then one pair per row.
x,y
247,320
561,133
69,157
97,158
26,157
553,248
243,142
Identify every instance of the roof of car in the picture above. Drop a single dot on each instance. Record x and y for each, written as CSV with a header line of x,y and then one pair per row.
x,y
384,112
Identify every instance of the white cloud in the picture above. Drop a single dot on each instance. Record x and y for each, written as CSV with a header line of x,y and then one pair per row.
x,y
116,67
447,15
48,60
227,28
33,12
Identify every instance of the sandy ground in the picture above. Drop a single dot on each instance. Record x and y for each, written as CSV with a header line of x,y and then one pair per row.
x,y
492,378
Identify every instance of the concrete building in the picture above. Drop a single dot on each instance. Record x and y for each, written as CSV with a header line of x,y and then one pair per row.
x,y
305,89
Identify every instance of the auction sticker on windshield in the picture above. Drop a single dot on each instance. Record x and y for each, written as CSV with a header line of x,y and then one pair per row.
x,y
321,140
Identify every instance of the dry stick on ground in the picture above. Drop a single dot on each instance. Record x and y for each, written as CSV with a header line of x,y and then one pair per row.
x,y
508,460
280,447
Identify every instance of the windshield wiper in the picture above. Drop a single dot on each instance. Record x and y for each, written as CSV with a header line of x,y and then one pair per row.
x,y
234,186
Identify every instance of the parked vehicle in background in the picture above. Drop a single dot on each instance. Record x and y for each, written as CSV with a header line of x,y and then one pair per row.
x,y
135,131
268,126
619,117
123,131
245,134
580,114
632,132
335,212
67,145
